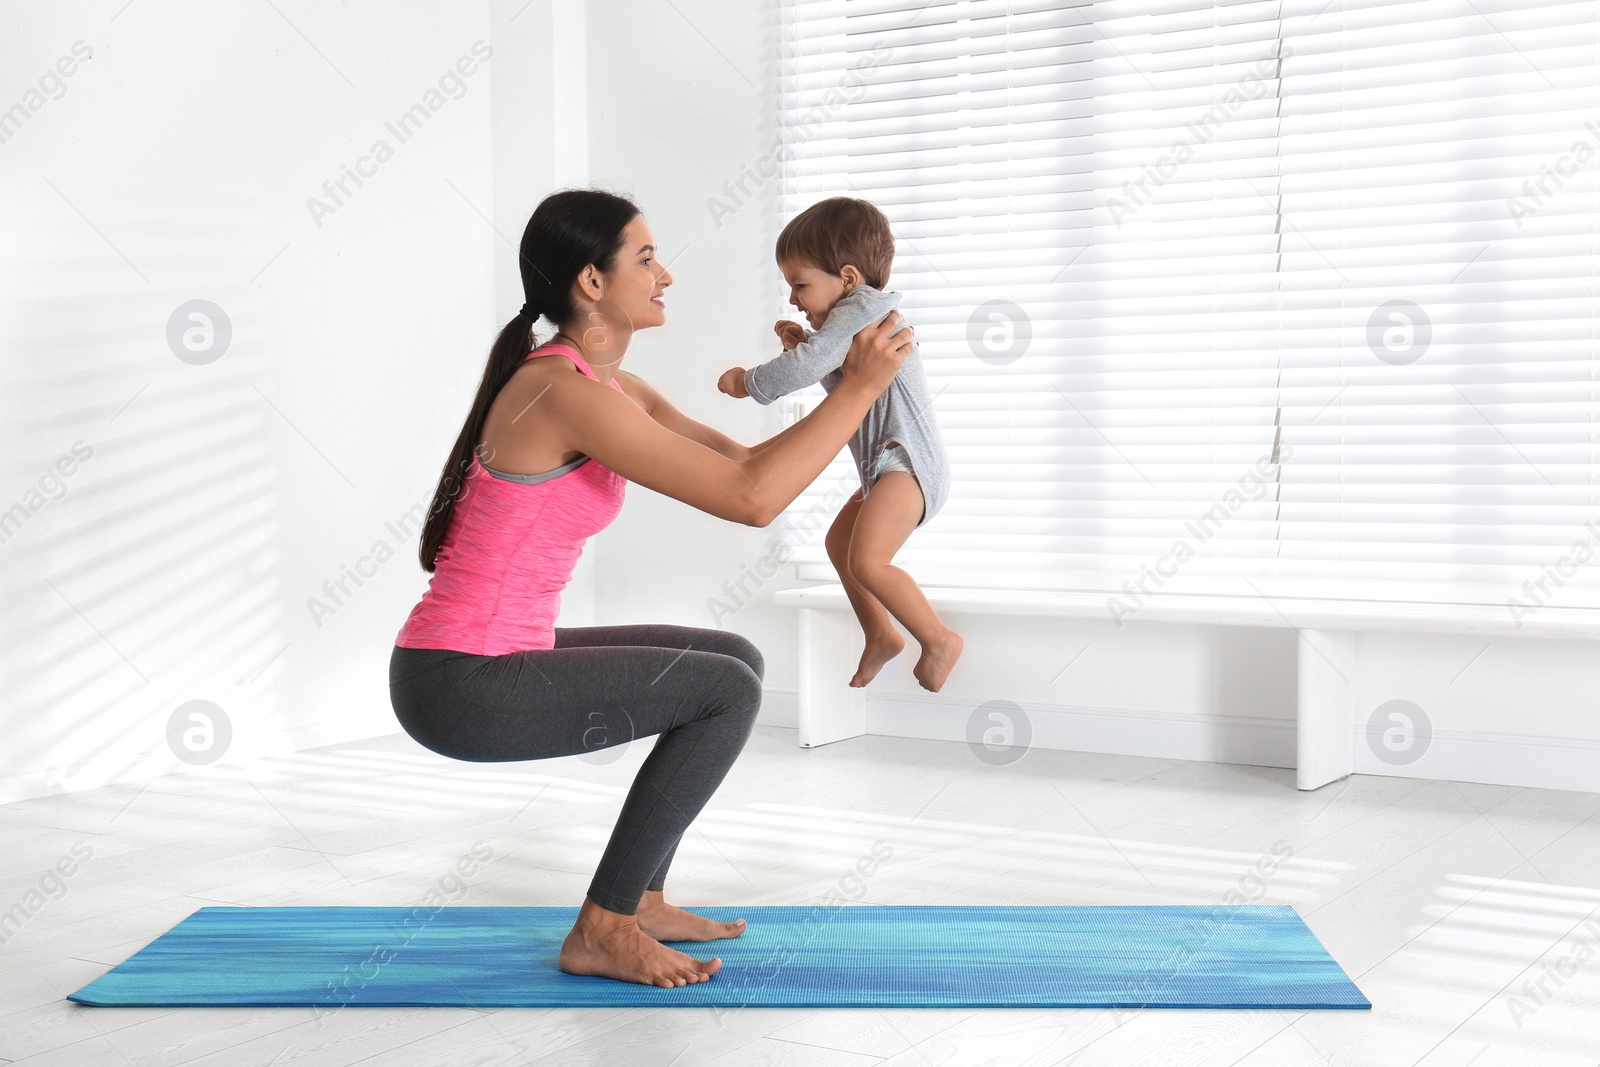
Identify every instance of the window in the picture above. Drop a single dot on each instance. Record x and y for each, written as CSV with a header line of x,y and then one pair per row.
x,y
1247,296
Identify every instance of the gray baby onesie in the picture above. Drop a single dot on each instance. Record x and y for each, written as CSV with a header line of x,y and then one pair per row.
x,y
903,412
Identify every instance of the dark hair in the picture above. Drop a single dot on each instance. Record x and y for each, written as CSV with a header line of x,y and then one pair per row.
x,y
569,230
840,230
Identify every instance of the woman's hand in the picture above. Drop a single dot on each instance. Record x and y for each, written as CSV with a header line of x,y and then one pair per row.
x,y
732,383
877,352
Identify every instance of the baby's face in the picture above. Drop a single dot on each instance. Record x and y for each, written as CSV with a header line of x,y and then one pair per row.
x,y
813,290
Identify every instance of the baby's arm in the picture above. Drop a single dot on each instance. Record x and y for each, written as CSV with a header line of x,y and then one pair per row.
x,y
823,350
791,334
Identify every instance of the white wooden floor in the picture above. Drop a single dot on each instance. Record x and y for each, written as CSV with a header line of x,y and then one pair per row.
x,y
1446,902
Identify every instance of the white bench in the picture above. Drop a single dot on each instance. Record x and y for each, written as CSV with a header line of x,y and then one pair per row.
x,y
1326,716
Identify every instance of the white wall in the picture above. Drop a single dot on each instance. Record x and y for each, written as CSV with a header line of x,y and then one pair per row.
x,y
540,99
679,99
176,561
679,103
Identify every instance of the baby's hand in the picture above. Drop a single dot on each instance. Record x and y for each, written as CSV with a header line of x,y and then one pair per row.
x,y
732,383
790,333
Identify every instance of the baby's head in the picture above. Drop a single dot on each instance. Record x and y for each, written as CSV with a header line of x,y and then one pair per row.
x,y
830,248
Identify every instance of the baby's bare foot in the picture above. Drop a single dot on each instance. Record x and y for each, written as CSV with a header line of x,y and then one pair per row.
x,y
880,649
933,667
665,922
628,954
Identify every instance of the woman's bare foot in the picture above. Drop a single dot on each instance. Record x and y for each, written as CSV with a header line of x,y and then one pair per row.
x,y
880,649
933,667
665,922
608,944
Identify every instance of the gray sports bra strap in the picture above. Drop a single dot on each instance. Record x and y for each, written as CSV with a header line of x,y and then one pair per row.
x,y
535,479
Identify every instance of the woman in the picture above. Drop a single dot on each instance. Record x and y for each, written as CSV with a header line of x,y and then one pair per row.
x,y
480,672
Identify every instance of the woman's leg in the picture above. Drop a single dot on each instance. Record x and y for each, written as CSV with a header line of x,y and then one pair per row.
x,y
664,635
882,641
887,517
668,923
548,702
568,700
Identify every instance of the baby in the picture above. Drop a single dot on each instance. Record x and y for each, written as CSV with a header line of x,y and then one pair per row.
x,y
836,255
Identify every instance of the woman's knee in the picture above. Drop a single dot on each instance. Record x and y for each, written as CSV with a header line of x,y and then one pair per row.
x,y
736,693
747,689
746,650
728,643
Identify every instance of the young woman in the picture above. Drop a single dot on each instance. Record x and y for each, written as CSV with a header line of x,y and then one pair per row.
x,y
479,670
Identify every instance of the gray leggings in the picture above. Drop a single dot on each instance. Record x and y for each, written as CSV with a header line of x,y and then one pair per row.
x,y
600,686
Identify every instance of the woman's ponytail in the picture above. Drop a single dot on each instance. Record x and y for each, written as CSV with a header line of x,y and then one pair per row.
x,y
569,230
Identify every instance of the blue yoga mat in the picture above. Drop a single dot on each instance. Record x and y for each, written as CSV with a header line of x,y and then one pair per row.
x,y
1242,956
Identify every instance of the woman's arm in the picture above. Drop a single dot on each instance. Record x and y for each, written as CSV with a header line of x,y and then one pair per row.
x,y
662,410
774,439
618,432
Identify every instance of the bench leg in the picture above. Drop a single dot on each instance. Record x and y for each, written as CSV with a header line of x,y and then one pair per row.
x,y
1325,735
830,649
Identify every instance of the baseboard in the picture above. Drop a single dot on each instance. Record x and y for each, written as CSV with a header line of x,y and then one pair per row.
x,y
1493,759
1215,738
1457,756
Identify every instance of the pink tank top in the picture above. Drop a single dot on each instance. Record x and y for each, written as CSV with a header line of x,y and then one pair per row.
x,y
508,552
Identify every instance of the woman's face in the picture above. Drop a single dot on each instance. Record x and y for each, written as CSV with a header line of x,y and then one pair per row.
x,y
637,278
815,291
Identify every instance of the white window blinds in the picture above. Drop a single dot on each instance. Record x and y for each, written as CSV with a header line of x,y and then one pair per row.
x,y
1298,294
